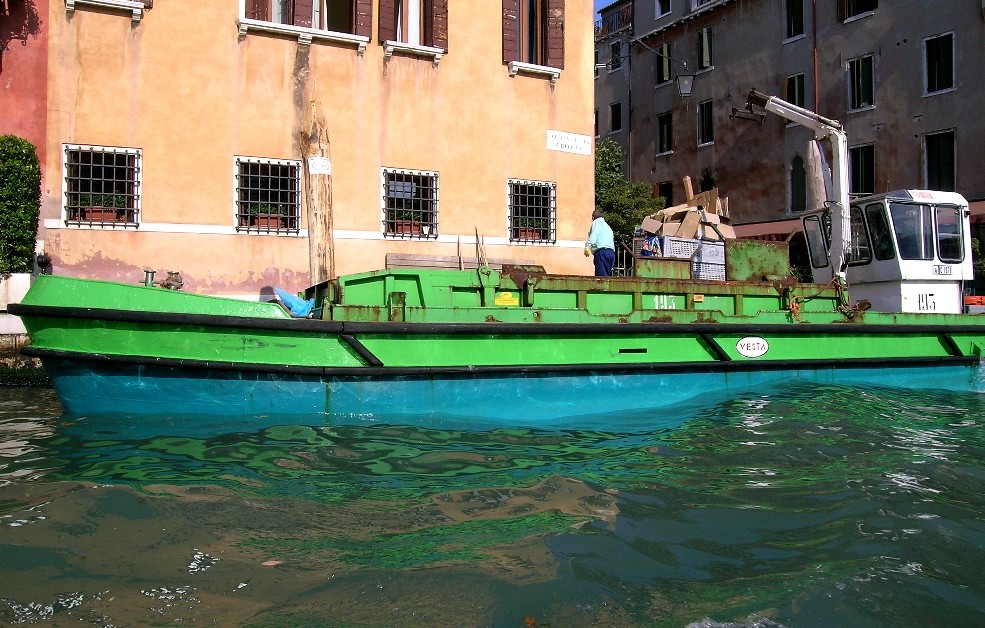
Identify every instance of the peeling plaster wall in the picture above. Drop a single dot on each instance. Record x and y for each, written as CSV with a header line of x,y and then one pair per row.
x,y
185,89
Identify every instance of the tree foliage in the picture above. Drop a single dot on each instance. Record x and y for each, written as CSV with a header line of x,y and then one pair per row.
x,y
20,204
623,203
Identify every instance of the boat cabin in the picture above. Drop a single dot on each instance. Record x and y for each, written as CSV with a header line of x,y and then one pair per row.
x,y
910,250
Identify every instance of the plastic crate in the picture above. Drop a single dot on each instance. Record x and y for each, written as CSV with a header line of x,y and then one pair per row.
x,y
708,271
696,250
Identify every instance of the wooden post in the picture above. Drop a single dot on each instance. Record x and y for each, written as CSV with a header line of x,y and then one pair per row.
x,y
317,168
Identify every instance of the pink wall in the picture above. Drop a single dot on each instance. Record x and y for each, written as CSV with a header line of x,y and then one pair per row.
x,y
24,71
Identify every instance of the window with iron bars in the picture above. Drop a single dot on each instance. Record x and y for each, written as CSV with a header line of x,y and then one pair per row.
x,y
410,204
102,185
532,210
268,198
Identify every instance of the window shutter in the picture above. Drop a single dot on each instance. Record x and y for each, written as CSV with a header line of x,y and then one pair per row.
x,y
511,12
363,18
436,24
302,13
554,34
842,10
258,10
388,20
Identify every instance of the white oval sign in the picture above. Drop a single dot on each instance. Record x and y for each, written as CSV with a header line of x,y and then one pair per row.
x,y
752,347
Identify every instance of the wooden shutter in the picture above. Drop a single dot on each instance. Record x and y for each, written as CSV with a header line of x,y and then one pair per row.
x,y
362,18
554,34
302,13
258,10
388,20
511,13
842,10
436,23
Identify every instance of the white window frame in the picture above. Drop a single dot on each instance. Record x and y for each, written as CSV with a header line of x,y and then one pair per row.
x,y
429,230
872,83
926,79
137,183
552,212
660,135
293,226
304,34
711,110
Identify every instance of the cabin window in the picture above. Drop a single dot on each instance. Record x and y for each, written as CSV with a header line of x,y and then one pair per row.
x,y
859,251
817,240
950,240
268,197
939,68
665,133
939,160
795,18
882,239
102,185
706,126
913,226
532,210
862,168
705,53
410,204
663,64
533,32
861,84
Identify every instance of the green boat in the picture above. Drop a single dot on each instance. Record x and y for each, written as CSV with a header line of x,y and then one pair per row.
x,y
519,346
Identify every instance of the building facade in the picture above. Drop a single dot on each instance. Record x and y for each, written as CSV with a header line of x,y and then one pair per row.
x,y
171,134
902,76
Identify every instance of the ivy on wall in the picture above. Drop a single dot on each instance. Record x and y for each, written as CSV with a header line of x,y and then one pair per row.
x,y
20,204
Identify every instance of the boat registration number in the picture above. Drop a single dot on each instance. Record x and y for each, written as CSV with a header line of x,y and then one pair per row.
x,y
943,270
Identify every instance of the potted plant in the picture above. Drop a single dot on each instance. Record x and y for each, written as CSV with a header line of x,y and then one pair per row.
x,y
404,222
267,215
103,207
531,228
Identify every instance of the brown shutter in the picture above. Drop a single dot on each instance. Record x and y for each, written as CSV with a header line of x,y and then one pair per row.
x,y
363,18
842,10
388,20
258,10
436,23
302,13
511,13
554,34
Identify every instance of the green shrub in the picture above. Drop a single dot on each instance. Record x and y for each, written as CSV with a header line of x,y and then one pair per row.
x,y
20,204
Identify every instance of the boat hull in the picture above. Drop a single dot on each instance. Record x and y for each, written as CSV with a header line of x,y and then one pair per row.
x,y
565,399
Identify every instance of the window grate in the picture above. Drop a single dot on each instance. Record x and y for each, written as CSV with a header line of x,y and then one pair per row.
x,y
102,185
410,204
532,211
268,198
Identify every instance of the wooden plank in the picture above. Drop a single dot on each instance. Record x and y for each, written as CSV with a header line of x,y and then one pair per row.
x,y
688,188
414,260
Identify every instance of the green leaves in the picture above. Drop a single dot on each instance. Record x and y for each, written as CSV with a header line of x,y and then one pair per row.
x,y
624,203
20,204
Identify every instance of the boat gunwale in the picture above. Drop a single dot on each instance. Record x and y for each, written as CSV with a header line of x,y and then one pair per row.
x,y
701,326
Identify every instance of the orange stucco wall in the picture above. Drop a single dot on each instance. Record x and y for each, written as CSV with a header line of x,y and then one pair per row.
x,y
182,86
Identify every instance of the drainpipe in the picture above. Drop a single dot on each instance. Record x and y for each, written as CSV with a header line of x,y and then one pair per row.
x,y
817,89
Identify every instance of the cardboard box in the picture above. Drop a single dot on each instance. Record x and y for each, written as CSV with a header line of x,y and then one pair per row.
x,y
651,225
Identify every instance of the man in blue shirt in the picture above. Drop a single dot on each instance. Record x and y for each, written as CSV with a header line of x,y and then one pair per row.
x,y
602,244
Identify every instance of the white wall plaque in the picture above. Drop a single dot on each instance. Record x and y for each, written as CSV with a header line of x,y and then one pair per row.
x,y
569,142
319,165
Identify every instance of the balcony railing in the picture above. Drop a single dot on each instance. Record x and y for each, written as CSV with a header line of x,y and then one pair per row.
x,y
614,22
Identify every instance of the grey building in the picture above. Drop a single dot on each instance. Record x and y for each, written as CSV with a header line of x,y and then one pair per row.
x,y
903,76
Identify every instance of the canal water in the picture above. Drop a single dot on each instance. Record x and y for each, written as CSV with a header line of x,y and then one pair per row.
x,y
801,505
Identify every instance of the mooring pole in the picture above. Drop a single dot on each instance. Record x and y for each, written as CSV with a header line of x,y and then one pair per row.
x,y
317,168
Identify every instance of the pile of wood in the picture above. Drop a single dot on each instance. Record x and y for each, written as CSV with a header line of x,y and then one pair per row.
x,y
704,216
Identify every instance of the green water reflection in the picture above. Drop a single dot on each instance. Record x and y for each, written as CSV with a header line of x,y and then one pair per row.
x,y
805,505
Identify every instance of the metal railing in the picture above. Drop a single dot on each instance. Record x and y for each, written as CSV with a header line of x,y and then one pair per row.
x,y
614,22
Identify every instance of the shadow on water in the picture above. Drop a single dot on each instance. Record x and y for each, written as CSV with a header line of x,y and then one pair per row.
x,y
798,504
